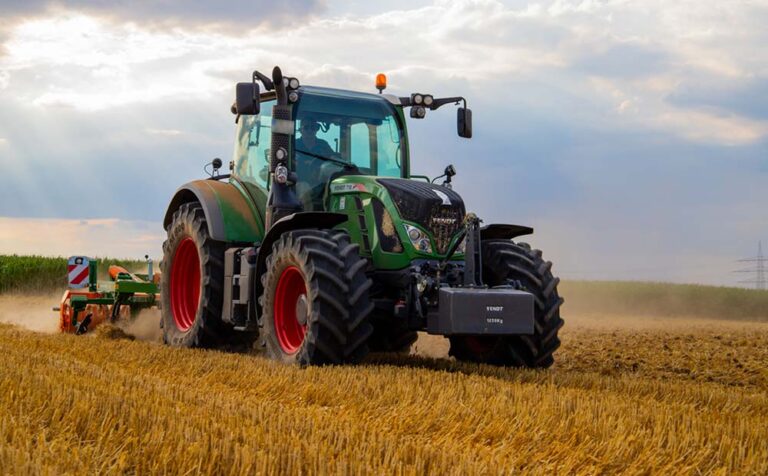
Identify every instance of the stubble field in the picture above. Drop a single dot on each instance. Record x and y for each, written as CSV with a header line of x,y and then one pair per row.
x,y
632,393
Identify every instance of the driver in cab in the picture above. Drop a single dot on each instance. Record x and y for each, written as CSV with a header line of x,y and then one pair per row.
x,y
308,141
310,150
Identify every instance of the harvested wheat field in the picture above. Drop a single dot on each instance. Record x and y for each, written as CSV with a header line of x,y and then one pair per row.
x,y
634,395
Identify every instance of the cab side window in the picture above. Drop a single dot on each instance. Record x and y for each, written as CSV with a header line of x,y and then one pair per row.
x,y
251,157
360,145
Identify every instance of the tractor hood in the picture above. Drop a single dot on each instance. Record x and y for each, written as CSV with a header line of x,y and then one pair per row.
x,y
391,218
437,209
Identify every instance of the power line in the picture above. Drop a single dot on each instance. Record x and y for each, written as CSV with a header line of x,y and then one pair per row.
x,y
757,270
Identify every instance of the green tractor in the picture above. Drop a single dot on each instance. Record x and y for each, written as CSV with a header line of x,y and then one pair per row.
x,y
321,246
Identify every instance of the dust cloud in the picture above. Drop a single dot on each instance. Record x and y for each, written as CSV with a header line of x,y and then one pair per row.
x,y
146,326
34,312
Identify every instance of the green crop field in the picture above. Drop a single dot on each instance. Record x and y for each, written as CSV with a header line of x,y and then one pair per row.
x,y
40,274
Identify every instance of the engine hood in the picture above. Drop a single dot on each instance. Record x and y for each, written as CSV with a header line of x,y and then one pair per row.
x,y
435,208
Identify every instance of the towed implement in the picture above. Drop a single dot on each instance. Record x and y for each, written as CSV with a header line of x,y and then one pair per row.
x,y
89,302
321,244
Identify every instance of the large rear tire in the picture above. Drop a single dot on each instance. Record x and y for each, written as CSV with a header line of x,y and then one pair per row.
x,y
505,261
191,288
315,301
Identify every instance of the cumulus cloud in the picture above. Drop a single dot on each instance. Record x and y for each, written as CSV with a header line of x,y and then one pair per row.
x,y
586,106
244,13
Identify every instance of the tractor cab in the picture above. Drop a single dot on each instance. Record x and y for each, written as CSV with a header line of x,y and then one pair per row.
x,y
335,133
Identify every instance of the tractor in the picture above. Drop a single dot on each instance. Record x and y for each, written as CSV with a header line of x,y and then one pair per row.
x,y
320,245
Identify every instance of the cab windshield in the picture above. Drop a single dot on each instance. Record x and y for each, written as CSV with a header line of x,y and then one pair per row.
x,y
335,135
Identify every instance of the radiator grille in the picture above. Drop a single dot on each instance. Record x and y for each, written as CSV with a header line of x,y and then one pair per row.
x,y
437,209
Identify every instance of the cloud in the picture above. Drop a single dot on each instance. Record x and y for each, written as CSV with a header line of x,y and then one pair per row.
x,y
747,97
243,13
620,130
624,60
101,237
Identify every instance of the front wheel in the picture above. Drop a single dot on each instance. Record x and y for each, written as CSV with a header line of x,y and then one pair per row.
x,y
503,262
315,300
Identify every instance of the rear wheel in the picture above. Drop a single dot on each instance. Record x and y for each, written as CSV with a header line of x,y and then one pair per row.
x,y
315,301
193,270
505,261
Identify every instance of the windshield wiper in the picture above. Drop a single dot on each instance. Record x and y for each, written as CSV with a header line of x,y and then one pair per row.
x,y
346,165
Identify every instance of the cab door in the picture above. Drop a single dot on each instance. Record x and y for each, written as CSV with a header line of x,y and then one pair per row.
x,y
251,155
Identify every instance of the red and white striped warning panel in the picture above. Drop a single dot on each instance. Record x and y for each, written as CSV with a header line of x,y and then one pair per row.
x,y
77,269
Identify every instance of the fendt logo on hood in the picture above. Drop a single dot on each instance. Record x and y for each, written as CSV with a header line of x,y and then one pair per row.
x,y
443,197
443,221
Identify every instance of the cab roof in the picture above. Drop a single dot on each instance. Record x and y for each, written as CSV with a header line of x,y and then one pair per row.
x,y
340,93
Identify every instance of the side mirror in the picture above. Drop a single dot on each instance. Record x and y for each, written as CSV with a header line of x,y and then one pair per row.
x,y
247,99
464,122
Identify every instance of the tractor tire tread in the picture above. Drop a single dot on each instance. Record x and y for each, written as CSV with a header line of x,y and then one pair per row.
x,y
338,327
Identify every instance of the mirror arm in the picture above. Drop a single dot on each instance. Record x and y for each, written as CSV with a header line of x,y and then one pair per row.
x,y
438,102
436,178
268,84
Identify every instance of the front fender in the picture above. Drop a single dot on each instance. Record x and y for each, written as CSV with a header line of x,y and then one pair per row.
x,y
498,231
228,213
295,221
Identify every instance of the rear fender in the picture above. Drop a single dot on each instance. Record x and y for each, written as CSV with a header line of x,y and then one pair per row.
x,y
229,216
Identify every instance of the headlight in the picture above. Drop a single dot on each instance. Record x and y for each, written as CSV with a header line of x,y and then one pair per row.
x,y
418,239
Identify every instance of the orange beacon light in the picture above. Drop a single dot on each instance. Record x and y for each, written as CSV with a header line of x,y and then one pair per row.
x,y
381,82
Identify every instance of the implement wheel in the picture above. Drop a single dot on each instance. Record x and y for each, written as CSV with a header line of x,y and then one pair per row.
x,y
315,301
191,288
505,261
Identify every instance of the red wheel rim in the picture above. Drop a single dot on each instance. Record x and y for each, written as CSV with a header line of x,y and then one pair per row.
x,y
291,289
185,284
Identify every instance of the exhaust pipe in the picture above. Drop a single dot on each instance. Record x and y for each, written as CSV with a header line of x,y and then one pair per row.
x,y
282,199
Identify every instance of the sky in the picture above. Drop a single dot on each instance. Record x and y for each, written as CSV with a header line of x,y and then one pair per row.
x,y
632,135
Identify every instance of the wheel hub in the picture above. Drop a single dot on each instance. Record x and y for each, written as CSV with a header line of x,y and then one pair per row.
x,y
302,310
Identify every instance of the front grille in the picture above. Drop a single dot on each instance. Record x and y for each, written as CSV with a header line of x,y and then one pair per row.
x,y
444,224
425,204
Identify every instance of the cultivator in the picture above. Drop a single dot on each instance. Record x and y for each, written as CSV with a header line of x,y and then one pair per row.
x,y
88,302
